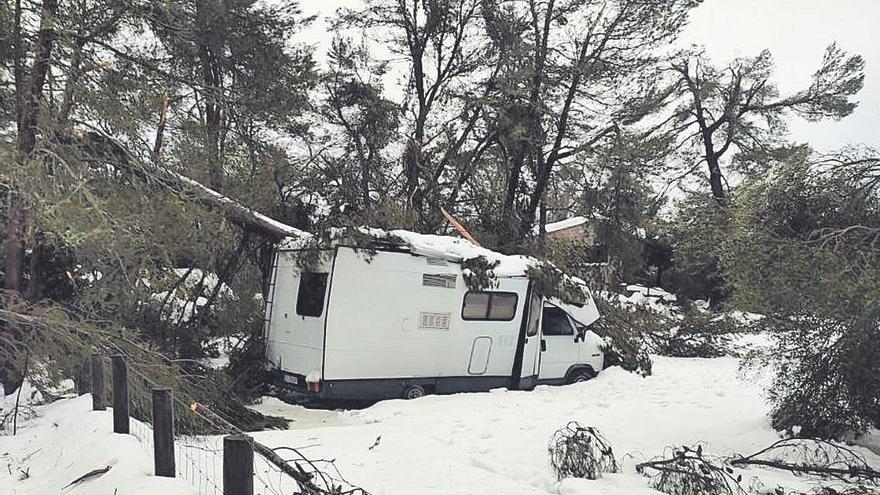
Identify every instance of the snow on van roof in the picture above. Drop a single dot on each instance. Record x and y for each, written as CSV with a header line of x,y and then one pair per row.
x,y
458,249
455,249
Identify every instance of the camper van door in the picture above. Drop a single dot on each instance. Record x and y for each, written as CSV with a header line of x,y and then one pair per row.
x,y
559,347
530,342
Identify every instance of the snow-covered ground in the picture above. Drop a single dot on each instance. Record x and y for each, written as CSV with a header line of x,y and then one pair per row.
x,y
68,440
483,443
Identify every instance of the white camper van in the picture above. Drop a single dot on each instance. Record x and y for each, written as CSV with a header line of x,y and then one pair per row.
x,y
399,322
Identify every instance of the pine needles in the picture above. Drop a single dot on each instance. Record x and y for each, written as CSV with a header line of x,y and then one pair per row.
x,y
578,451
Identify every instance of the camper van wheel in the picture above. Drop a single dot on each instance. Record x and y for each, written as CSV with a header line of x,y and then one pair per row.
x,y
580,375
413,392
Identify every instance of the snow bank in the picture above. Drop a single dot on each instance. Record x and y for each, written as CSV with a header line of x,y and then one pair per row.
x,y
468,444
496,442
67,441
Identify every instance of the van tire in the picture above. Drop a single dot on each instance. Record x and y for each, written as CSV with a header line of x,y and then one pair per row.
x,y
580,375
413,392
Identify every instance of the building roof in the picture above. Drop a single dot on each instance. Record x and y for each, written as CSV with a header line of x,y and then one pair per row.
x,y
565,224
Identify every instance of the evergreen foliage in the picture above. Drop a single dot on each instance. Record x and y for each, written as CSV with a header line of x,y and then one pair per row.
x,y
578,451
803,249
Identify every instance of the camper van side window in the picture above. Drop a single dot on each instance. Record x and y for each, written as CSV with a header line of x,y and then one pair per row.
x,y
534,315
310,300
496,306
555,322
502,306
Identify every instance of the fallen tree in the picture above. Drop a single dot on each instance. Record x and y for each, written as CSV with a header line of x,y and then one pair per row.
x,y
686,471
814,457
101,151
578,451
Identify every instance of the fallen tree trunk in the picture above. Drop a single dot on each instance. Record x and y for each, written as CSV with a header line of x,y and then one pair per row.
x,y
104,150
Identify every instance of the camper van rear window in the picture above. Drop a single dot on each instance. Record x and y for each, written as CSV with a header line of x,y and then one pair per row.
x,y
497,306
310,300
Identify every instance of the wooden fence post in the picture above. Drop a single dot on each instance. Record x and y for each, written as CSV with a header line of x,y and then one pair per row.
x,y
99,402
238,465
120,395
83,384
163,433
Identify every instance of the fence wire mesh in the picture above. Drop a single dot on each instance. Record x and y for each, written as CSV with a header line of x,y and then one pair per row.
x,y
199,456
140,410
198,448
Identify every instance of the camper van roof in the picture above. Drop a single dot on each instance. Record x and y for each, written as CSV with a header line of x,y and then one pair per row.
x,y
458,249
449,248
585,314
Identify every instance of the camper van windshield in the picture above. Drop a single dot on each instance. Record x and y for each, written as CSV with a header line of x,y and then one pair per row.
x,y
310,300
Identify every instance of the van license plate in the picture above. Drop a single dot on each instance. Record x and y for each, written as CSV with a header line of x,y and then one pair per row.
x,y
291,379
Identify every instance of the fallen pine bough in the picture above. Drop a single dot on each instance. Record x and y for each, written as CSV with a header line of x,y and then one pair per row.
x,y
90,475
804,456
578,451
686,471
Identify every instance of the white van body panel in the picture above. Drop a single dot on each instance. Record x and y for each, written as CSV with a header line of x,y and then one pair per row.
x,y
379,323
295,342
393,319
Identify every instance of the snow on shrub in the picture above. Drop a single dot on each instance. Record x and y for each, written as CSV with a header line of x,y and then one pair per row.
x,y
578,451
697,334
686,471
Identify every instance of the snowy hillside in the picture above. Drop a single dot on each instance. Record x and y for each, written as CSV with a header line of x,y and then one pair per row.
x,y
463,444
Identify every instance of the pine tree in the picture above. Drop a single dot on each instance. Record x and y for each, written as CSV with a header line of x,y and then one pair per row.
x,y
739,109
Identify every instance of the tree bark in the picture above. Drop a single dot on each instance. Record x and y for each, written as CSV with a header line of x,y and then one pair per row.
x,y
716,180
212,79
27,134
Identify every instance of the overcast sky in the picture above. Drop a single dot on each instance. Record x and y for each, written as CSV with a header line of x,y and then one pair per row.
x,y
795,31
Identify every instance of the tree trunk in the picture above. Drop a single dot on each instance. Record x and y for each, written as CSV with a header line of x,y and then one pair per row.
x,y
14,245
27,136
716,180
209,58
412,162
513,176
18,60
365,178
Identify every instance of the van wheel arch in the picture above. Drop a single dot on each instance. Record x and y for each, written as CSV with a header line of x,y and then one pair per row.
x,y
580,373
414,391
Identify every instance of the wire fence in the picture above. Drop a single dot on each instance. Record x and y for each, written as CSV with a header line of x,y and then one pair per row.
x,y
198,451
285,470
198,444
140,410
